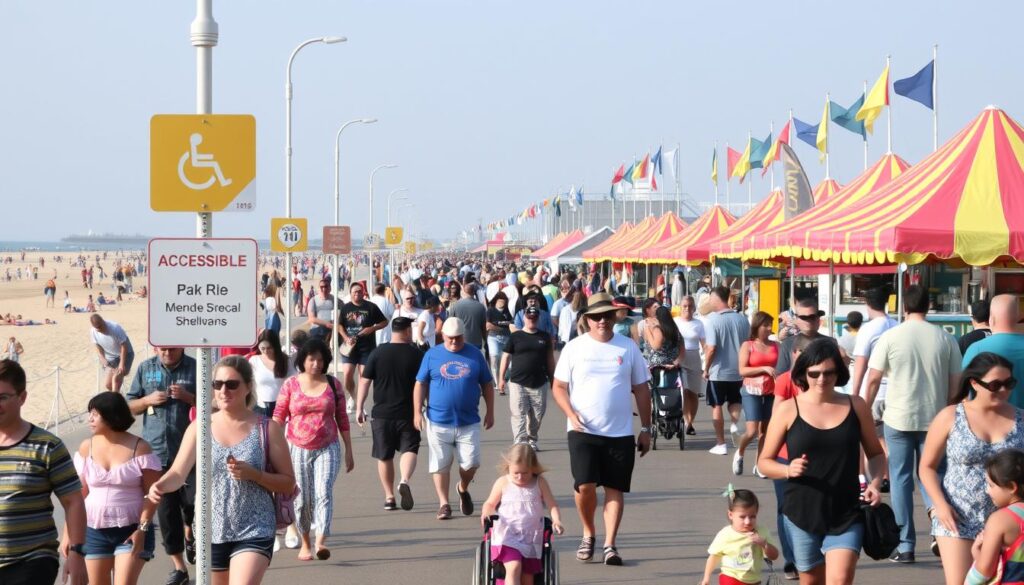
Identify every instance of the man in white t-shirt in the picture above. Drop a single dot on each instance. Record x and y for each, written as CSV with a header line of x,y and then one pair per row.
x,y
597,377
115,351
425,327
386,308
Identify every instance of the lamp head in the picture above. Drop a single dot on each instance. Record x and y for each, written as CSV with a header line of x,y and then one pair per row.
x,y
368,120
332,40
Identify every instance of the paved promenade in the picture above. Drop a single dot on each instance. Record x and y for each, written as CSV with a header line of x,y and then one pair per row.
x,y
671,516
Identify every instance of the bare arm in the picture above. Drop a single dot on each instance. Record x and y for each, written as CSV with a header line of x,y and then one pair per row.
x,y
783,414
487,390
179,470
552,504
361,394
551,364
560,392
860,368
74,514
420,394
709,356
493,500
931,457
874,383
709,568
502,368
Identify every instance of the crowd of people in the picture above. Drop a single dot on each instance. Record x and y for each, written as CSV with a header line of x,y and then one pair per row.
x,y
835,424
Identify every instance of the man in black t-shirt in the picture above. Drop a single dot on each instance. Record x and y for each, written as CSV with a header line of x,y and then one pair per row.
x,y
392,368
532,357
359,319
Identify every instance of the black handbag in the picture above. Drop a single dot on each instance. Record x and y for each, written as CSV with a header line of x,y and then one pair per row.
x,y
881,533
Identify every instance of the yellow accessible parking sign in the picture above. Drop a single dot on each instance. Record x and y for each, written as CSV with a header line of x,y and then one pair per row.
x,y
202,162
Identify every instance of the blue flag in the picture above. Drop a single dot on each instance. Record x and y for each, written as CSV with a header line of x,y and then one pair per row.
x,y
807,132
846,117
656,161
918,86
758,150
628,177
579,192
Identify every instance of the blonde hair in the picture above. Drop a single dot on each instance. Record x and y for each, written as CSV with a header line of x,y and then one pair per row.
x,y
520,454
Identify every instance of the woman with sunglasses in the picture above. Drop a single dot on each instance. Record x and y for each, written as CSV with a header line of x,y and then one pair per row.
x,y
964,435
270,367
823,431
243,506
312,405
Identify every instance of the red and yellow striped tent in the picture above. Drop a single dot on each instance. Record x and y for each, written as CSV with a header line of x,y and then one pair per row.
x,y
776,244
659,230
825,190
764,216
621,232
965,201
712,222
557,244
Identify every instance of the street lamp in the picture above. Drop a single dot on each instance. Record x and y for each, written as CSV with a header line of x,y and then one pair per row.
x,y
288,172
369,227
400,198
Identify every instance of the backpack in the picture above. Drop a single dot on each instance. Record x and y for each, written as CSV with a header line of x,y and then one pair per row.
x,y
881,533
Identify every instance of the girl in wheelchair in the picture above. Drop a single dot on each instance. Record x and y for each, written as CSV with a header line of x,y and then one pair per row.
x,y
519,498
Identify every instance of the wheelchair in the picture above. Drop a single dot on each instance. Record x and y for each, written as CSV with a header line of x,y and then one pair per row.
x,y
666,407
487,572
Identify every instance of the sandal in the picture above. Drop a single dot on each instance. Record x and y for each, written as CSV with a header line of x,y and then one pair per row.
x,y
444,512
611,556
585,552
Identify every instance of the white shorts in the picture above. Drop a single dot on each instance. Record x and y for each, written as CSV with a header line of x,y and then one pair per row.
x,y
444,443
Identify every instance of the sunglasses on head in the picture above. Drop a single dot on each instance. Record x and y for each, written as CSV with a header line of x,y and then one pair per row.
x,y
811,317
826,373
226,384
602,317
997,385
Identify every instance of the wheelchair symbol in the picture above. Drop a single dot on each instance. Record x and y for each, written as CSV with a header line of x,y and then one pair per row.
x,y
200,160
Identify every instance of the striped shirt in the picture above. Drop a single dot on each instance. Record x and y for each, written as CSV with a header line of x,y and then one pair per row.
x,y
30,471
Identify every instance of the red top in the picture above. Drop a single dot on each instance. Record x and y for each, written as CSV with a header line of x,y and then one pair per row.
x,y
757,359
313,421
784,390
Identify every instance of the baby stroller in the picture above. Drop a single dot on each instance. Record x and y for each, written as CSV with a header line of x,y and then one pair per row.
x,y
666,407
487,572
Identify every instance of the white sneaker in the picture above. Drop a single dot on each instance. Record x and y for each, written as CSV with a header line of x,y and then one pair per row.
x,y
277,543
719,449
291,539
737,463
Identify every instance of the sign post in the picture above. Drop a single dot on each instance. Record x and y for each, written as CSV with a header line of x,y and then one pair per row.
x,y
337,241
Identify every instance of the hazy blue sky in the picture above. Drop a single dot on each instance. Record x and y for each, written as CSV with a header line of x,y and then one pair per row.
x,y
486,106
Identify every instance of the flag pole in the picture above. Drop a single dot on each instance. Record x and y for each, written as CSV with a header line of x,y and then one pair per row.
x,y
632,188
771,167
888,118
865,135
935,97
715,157
675,174
661,195
728,179
750,182
828,118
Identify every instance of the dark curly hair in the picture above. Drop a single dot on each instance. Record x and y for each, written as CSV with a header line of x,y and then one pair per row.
x,y
313,346
819,351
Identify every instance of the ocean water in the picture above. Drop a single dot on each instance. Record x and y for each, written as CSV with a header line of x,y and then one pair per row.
x,y
65,247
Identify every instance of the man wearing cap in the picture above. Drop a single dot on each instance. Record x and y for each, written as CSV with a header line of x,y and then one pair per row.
x,y
392,368
532,299
807,317
532,358
595,379
319,311
451,379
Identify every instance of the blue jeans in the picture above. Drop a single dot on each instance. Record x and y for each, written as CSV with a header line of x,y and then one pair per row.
x,y
904,458
785,540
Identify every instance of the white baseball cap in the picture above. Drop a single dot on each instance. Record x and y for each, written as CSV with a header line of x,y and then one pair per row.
x,y
453,327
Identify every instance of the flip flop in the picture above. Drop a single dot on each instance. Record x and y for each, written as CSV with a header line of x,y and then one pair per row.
x,y
405,495
323,553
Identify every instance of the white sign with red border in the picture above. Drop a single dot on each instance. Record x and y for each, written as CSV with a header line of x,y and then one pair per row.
x,y
203,292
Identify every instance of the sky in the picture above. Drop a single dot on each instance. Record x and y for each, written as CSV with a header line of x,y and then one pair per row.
x,y
485,106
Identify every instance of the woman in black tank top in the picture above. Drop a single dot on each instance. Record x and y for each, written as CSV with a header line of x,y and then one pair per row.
x,y
823,431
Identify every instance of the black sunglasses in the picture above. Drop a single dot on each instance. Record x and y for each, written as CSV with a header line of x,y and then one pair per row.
x,y
826,373
602,317
808,317
229,384
998,385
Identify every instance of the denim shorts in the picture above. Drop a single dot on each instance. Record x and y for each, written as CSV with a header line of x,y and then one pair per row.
x,y
756,408
809,549
106,543
221,553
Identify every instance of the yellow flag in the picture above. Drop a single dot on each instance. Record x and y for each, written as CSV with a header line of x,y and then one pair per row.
x,y
743,165
714,167
822,139
876,99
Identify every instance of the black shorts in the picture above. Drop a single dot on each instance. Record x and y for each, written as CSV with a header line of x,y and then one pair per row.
x,y
605,461
356,357
391,435
720,393
221,553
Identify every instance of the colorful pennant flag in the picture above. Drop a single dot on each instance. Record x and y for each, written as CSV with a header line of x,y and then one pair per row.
x,y
714,166
628,175
743,164
579,196
759,150
558,207
656,161
640,170
619,174
821,140
877,99
796,187
732,157
806,132
773,152
845,117
919,86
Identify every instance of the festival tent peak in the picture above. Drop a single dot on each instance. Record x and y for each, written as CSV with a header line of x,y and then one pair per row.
x,y
662,228
963,202
710,224
574,254
779,243
766,215
621,233
554,241
825,190
567,242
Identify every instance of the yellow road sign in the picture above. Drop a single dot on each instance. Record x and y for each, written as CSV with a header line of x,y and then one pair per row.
x,y
288,234
410,247
393,236
202,162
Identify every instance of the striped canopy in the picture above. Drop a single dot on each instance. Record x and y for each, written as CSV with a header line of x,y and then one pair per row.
x,y
964,201
553,247
779,242
658,230
621,232
825,190
764,216
711,223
